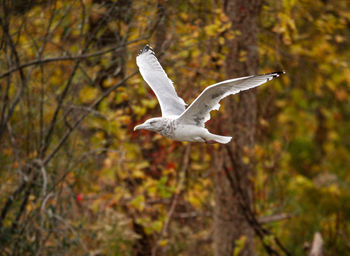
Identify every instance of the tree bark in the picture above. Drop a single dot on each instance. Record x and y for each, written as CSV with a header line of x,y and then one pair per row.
x,y
230,224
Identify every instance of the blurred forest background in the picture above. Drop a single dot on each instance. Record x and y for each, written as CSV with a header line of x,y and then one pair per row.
x,y
76,179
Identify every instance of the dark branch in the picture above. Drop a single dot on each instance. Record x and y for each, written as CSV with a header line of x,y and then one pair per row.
x,y
250,217
76,124
67,58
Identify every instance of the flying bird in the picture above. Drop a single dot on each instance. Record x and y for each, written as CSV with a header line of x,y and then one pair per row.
x,y
188,124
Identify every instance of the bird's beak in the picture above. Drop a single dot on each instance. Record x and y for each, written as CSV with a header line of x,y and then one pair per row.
x,y
139,127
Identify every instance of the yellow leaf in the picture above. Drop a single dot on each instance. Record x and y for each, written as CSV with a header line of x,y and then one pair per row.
x,y
138,202
88,94
163,242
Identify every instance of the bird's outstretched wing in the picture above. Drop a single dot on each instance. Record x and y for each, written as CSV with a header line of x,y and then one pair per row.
x,y
155,76
199,111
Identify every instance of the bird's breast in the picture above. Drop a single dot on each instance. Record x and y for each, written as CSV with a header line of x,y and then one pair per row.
x,y
168,128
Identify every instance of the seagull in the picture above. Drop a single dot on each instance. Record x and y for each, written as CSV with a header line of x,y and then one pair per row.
x,y
188,124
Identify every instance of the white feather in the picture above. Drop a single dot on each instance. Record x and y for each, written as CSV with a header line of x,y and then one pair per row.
x,y
155,76
199,111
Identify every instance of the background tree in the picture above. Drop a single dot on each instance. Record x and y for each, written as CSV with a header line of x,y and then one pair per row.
x,y
242,59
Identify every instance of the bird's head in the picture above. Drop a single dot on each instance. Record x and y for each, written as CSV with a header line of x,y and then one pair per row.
x,y
154,124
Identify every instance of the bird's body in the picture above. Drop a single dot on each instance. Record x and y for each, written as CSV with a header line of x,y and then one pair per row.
x,y
177,121
171,128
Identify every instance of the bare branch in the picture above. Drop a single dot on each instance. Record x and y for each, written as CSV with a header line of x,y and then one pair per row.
x,y
88,40
175,199
274,218
68,58
76,124
57,110
261,232
5,27
72,230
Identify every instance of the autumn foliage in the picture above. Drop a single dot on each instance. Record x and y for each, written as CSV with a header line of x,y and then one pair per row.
x,y
76,179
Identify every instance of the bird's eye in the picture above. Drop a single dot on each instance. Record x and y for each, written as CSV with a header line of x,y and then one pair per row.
x,y
151,123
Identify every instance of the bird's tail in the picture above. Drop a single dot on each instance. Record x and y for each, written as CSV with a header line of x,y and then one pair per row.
x,y
221,139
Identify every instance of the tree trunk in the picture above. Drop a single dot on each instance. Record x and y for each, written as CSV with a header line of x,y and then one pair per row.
x,y
230,224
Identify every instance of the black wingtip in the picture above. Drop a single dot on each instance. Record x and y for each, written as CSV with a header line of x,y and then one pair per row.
x,y
280,72
273,75
146,49
276,74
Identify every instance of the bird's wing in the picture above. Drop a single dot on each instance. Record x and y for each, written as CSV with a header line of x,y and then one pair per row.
x,y
155,76
199,111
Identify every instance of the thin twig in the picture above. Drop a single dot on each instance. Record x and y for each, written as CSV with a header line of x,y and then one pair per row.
x,y
175,199
67,58
72,230
75,125
5,27
63,95
250,217
274,218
